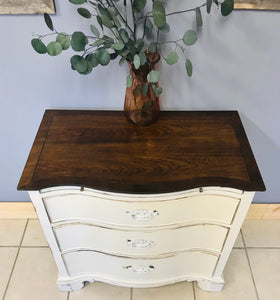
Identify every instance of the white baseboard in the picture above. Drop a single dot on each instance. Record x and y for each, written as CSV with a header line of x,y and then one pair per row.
x,y
17,210
24,210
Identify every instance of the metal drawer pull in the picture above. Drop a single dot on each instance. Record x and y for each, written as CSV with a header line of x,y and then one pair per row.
x,y
140,244
140,269
142,214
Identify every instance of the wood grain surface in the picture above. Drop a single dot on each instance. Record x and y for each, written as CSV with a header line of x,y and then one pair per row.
x,y
101,150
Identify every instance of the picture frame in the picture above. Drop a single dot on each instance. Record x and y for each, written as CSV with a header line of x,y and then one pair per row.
x,y
12,7
257,4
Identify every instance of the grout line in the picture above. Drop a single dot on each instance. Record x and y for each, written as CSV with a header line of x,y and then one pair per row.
x,y
13,267
263,247
251,271
194,293
34,247
131,293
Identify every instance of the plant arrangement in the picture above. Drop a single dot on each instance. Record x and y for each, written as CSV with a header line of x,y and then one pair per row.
x,y
133,31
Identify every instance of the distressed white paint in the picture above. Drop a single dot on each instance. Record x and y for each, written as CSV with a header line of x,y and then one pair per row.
x,y
93,238
86,208
141,243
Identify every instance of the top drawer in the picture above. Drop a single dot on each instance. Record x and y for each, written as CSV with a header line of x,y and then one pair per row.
x,y
97,210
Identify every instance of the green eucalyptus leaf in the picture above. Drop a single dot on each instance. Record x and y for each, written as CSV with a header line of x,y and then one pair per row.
x,y
122,61
123,53
139,44
78,63
94,30
143,58
84,12
64,40
159,13
165,28
124,35
48,21
116,21
106,21
136,61
138,5
78,41
99,20
103,57
189,67
172,58
39,46
113,11
129,81
190,37
208,6
153,76
145,89
118,46
108,39
227,7
113,55
198,15
149,27
88,71
92,60
216,2
54,48
153,47
103,11
77,1
98,43
157,89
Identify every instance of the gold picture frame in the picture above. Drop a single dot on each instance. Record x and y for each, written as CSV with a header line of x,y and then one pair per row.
x,y
14,7
257,4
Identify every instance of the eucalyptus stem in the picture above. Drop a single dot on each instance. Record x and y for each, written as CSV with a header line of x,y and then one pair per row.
x,y
185,11
134,21
123,19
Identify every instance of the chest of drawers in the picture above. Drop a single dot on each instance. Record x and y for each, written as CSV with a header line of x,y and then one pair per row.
x,y
141,207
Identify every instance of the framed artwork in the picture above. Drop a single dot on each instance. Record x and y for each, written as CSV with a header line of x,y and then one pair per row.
x,y
257,4
8,7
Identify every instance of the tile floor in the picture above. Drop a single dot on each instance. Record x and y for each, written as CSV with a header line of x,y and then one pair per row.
x,y
28,272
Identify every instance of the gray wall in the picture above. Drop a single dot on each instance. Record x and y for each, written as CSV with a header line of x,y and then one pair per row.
x,y
236,65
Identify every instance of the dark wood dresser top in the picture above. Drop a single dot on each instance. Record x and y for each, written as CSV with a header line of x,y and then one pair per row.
x,y
101,150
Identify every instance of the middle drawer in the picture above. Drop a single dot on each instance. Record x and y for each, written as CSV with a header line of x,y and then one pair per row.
x,y
135,243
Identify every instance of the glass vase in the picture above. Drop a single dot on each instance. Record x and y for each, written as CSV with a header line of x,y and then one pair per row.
x,y
142,105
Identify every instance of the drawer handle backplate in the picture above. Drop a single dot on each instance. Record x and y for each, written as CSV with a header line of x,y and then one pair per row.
x,y
140,269
140,244
142,214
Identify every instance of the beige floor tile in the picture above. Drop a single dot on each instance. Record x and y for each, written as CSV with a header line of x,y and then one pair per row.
x,y
11,231
101,291
239,242
34,277
265,264
238,282
260,233
34,235
7,258
178,291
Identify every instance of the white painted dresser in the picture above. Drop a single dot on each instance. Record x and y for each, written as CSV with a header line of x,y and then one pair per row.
x,y
141,206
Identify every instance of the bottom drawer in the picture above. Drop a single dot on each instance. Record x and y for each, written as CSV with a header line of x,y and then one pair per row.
x,y
137,272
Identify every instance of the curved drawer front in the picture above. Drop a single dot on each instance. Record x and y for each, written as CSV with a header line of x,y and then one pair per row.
x,y
134,243
205,208
138,271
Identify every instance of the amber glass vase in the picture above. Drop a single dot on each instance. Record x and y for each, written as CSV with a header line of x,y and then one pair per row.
x,y
142,108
